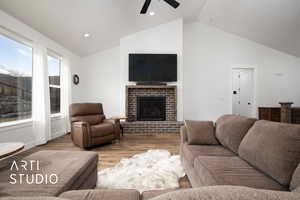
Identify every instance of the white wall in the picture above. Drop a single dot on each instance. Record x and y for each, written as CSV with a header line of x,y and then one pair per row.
x,y
204,80
166,38
101,80
104,75
23,132
209,56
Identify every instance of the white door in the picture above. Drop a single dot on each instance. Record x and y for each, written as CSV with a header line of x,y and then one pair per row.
x,y
242,92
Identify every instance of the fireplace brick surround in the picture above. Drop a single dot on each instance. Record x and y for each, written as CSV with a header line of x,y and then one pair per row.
x,y
170,125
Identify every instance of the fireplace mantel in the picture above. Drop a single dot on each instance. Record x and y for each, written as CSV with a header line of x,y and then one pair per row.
x,y
152,86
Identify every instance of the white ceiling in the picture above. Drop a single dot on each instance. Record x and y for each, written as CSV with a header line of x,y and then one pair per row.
x,y
275,23
65,21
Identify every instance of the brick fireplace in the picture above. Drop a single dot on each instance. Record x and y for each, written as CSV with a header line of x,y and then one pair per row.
x,y
151,109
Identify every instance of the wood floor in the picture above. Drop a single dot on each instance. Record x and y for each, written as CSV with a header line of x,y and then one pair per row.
x,y
110,154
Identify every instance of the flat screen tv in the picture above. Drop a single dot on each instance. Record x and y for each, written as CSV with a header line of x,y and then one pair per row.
x,y
153,67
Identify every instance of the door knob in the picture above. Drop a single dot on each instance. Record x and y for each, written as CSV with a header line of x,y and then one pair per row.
x,y
249,103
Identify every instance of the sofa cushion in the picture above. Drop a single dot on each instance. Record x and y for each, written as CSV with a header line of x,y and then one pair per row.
x,y
216,170
102,129
295,179
72,169
227,193
231,129
91,119
191,152
200,132
105,194
274,148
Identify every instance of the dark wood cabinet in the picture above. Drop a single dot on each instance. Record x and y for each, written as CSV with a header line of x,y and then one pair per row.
x,y
271,114
296,115
274,114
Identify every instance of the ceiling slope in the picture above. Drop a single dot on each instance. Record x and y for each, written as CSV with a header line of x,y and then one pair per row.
x,y
274,23
65,21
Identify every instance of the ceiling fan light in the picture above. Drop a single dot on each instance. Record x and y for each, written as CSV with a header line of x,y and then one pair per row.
x,y
151,13
86,35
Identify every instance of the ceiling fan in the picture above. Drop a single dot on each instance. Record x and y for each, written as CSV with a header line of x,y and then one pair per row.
x,y
172,3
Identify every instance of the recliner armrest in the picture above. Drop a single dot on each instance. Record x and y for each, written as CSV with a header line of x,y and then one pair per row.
x,y
116,124
80,124
80,133
113,121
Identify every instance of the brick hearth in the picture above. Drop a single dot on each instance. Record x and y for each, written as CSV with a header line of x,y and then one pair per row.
x,y
171,125
151,127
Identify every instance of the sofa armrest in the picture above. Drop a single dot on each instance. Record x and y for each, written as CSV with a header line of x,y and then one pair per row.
x,y
183,134
80,133
227,193
32,198
102,194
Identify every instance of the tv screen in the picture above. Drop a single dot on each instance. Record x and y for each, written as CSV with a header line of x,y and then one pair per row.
x,y
153,67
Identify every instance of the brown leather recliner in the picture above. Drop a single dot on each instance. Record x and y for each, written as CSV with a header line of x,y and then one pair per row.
x,y
89,126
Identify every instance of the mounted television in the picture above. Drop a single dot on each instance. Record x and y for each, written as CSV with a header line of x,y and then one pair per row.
x,y
153,67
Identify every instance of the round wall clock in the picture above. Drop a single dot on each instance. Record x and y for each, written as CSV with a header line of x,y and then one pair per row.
x,y
76,79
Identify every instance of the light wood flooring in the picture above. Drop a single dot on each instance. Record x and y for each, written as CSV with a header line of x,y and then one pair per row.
x,y
110,155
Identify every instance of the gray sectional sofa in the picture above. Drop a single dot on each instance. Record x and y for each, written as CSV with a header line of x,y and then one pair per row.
x,y
256,154
245,159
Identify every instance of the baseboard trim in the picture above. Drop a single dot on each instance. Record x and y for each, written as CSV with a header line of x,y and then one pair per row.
x,y
57,134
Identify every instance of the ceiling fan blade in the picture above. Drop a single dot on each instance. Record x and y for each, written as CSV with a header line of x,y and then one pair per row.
x,y
145,7
172,3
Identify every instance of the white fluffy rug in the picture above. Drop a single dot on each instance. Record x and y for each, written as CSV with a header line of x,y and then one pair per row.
x,y
153,170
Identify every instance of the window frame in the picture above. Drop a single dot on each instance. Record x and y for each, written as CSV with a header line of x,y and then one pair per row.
x,y
16,37
26,42
53,54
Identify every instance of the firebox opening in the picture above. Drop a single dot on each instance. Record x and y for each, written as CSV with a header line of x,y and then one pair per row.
x,y
151,108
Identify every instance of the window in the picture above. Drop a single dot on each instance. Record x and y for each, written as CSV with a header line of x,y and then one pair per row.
x,y
54,83
15,80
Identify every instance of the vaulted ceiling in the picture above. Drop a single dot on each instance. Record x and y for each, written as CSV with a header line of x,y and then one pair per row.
x,y
274,23
65,21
